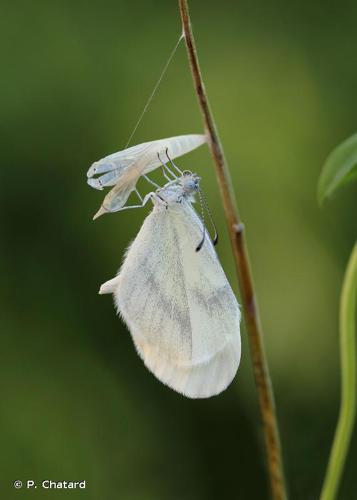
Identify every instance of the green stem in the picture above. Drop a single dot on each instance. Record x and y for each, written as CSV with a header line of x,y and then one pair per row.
x,y
348,381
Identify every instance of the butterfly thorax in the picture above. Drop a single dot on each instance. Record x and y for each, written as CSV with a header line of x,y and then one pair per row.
x,y
183,188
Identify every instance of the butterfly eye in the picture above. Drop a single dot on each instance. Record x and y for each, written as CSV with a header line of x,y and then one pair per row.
x,y
186,172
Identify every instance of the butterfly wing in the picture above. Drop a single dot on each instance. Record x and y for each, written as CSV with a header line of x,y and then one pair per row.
x,y
178,305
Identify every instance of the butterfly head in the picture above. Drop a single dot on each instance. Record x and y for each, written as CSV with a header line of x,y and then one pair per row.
x,y
190,182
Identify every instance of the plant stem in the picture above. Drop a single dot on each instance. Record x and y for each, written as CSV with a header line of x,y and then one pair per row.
x,y
236,231
347,414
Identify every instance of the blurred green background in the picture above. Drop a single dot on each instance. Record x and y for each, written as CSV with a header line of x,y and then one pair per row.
x,y
77,402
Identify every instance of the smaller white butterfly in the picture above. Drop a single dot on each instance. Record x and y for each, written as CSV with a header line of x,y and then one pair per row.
x,y
180,309
123,169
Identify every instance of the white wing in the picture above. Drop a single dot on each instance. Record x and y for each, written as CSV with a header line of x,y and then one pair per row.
x,y
178,305
123,169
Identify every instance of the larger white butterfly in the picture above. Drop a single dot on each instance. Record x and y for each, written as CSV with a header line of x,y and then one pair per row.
x,y
123,169
179,307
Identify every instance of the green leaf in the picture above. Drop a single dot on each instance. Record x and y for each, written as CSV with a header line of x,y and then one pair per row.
x,y
348,363
339,169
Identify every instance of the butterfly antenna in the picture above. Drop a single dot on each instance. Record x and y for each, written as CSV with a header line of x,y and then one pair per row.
x,y
205,204
200,245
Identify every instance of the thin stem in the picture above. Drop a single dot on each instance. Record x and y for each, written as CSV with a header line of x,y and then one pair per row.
x,y
236,232
347,414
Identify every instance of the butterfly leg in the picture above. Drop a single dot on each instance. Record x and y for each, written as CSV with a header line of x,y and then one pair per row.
x,y
138,195
158,200
172,163
144,202
166,168
165,174
151,182
104,210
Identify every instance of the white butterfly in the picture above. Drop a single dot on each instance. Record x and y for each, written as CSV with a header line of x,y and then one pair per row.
x,y
179,307
123,169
